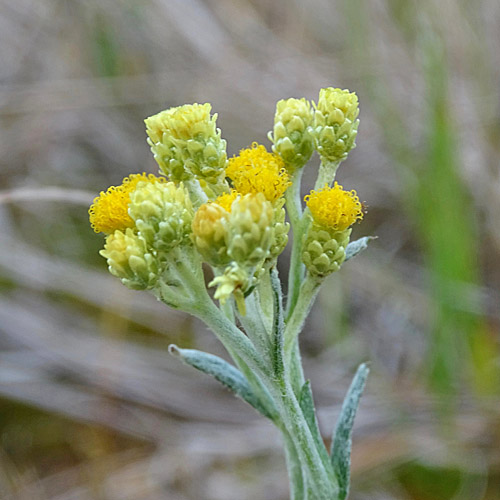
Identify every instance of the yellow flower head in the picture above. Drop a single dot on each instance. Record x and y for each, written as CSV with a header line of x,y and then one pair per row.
x,y
334,208
256,170
109,211
226,200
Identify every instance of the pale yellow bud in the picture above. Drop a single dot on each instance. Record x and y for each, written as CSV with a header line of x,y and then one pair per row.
x,y
129,260
324,250
251,231
335,123
210,233
186,143
162,213
292,133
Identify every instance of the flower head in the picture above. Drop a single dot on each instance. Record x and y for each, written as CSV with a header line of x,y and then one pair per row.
x,y
335,106
256,170
335,123
186,143
162,213
129,259
109,211
210,232
226,200
183,122
292,133
334,208
250,229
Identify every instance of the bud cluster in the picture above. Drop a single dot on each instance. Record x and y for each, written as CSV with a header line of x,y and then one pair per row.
x,y
129,259
335,123
324,250
292,133
162,213
186,143
238,236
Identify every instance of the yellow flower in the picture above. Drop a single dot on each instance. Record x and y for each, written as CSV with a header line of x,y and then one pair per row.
x,y
334,208
256,170
109,211
226,200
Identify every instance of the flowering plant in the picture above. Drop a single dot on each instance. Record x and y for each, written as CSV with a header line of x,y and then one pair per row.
x,y
230,215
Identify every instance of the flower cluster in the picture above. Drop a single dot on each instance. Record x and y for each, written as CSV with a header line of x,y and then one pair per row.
x,y
229,213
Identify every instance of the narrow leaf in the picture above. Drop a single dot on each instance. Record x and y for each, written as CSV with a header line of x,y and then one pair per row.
x,y
278,324
341,442
357,246
306,403
221,370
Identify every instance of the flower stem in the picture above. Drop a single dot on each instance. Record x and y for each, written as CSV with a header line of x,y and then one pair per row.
x,y
319,476
326,174
295,475
307,294
294,210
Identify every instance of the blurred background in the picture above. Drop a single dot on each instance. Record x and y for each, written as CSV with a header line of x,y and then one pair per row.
x,y
92,406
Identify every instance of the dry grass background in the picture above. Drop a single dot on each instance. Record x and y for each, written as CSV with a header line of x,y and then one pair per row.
x,y
92,406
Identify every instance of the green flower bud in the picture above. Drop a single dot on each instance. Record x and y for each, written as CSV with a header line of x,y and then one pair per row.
x,y
324,249
186,143
335,123
250,233
281,228
210,233
129,260
162,213
292,133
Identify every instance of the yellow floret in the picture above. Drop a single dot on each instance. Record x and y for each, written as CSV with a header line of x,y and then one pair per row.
x,y
256,170
226,200
109,211
334,208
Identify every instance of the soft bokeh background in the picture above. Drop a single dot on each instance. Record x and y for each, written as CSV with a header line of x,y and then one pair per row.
x,y
92,407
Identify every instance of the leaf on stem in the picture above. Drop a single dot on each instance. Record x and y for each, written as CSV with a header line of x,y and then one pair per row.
x,y
306,403
341,443
278,324
357,246
221,370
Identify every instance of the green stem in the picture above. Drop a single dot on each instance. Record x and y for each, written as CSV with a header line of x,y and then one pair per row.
x,y
326,174
294,210
269,377
295,475
258,387
278,326
228,310
230,335
296,371
255,327
320,479
308,292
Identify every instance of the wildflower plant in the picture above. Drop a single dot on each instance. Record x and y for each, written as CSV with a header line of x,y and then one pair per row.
x,y
231,216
